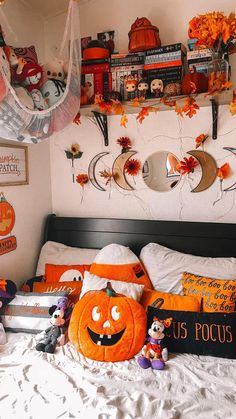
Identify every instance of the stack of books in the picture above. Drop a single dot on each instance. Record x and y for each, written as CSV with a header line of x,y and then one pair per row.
x,y
198,60
126,67
96,77
165,63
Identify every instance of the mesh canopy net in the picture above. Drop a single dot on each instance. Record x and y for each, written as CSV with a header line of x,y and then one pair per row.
x,y
34,105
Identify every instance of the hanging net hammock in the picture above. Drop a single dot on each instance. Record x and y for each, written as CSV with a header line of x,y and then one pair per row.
x,y
35,106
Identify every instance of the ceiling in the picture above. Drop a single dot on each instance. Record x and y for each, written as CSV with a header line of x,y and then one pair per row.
x,y
46,8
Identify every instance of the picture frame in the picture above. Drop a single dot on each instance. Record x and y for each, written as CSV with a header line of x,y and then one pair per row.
x,y
14,168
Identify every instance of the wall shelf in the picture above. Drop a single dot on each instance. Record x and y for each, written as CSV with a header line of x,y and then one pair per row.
x,y
202,100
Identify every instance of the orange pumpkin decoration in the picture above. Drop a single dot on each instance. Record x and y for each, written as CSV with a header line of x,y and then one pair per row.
x,y
143,35
7,216
106,326
194,83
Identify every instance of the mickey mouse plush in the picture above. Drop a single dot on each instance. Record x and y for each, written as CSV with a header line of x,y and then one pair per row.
x,y
154,353
55,334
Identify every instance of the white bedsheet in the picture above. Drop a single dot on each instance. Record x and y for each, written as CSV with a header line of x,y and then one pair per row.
x,y
66,385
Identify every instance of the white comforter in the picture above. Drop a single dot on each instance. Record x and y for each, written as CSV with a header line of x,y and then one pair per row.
x,y
35,385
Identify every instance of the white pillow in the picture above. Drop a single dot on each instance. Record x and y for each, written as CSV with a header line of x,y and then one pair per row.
x,y
165,266
60,254
94,282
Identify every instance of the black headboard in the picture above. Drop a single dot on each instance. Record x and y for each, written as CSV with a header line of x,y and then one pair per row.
x,y
197,238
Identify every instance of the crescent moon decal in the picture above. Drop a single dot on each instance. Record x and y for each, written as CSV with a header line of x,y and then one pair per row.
x,y
118,170
91,170
233,186
209,169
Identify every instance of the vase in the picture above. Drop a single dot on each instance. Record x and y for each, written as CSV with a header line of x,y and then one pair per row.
x,y
218,73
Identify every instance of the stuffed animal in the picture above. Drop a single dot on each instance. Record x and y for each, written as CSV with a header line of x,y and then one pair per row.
x,y
154,353
38,99
16,64
55,334
52,91
54,70
30,77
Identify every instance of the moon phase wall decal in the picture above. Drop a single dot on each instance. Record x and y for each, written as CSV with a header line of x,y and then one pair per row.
x,y
118,170
92,171
233,186
209,169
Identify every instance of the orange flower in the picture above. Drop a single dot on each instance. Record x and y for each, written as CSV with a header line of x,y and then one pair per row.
x,y
125,143
187,165
200,140
132,167
224,171
82,179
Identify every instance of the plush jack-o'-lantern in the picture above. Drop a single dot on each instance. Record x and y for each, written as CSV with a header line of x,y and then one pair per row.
x,y
106,326
143,35
7,216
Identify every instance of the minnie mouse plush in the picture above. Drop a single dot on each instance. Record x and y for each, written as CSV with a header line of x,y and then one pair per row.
x,y
154,353
55,334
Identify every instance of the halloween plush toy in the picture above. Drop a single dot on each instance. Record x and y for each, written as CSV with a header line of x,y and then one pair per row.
x,y
55,334
106,326
154,353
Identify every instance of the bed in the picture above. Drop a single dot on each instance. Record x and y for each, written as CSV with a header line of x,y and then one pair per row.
x,y
68,385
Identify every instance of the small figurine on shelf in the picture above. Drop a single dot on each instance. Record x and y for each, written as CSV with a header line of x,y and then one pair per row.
x,y
157,87
143,88
131,88
155,353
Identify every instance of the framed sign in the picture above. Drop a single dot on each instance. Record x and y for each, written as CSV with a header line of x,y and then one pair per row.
x,y
13,165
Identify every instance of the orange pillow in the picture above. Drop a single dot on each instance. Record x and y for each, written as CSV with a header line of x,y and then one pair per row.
x,y
164,300
217,294
65,273
72,287
118,262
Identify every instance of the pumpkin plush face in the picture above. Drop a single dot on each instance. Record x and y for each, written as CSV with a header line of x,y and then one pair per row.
x,y
107,327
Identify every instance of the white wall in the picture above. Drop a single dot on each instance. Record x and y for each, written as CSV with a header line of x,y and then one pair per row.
x,y
163,131
31,202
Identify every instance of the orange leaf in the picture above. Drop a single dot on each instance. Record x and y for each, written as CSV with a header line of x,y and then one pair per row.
x,y
76,119
200,140
224,171
117,107
123,121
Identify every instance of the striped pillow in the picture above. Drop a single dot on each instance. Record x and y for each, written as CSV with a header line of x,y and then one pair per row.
x,y
29,311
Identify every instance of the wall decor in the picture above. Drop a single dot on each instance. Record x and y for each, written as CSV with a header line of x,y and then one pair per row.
x,y
7,222
209,169
160,171
118,170
92,170
233,186
13,165
73,153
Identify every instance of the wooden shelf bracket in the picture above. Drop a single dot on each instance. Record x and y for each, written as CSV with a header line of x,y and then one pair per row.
x,y
101,120
214,107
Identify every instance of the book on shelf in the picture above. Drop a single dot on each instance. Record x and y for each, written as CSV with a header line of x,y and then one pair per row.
x,y
199,53
168,71
134,67
159,58
97,83
168,48
127,59
199,60
163,65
